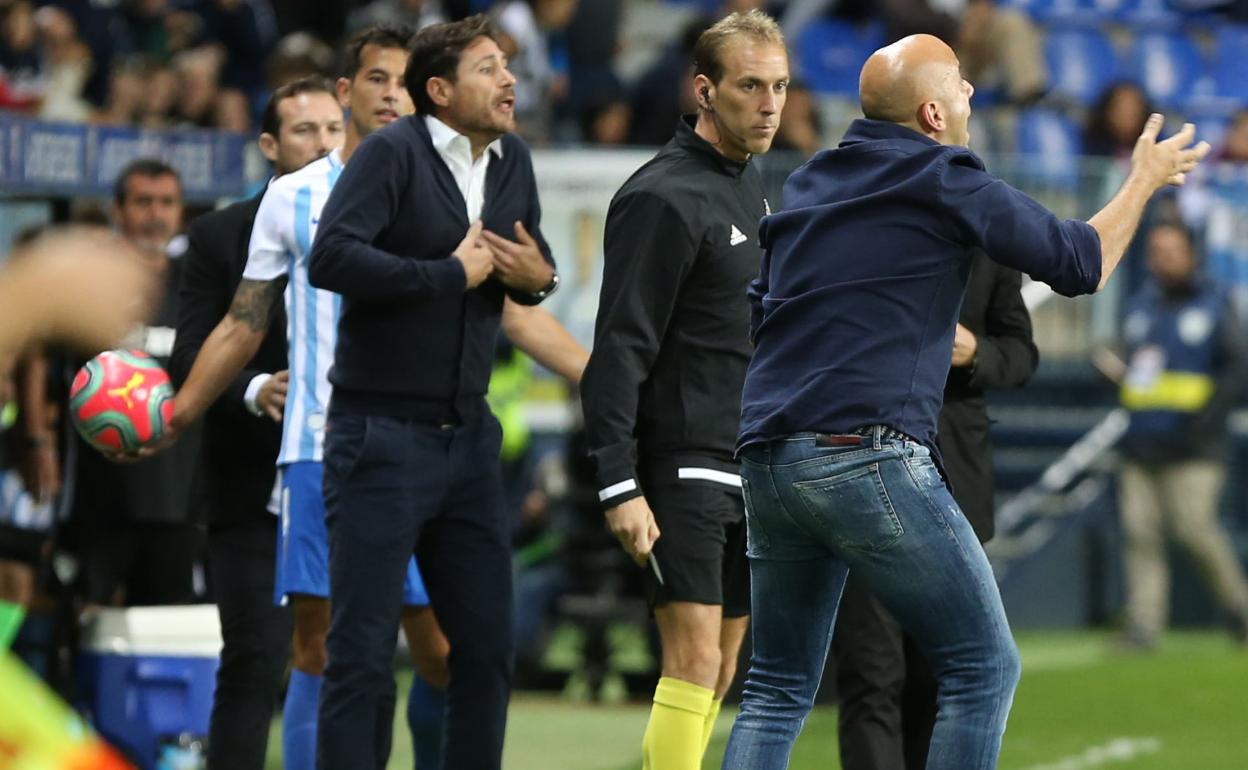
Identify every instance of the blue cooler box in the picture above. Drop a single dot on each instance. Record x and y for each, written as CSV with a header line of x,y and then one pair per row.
x,y
146,679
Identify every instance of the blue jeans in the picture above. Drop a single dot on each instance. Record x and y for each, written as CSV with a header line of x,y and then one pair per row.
x,y
883,510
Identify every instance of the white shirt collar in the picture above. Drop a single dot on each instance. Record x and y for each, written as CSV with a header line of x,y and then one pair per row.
x,y
447,140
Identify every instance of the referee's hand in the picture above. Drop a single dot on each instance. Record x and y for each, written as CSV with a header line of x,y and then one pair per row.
x,y
632,523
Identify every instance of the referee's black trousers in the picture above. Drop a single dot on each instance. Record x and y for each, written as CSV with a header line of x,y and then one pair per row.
x,y
393,486
255,642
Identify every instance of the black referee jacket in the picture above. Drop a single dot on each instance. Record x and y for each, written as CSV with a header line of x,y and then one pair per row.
x,y
671,342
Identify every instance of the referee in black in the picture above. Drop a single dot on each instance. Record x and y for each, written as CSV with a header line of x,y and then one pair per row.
x,y
662,392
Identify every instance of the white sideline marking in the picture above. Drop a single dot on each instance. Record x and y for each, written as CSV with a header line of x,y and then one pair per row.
x,y
1117,750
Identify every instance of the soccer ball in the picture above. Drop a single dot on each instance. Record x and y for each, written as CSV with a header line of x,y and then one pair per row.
x,y
121,400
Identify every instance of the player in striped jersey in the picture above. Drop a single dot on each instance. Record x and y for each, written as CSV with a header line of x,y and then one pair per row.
x,y
285,226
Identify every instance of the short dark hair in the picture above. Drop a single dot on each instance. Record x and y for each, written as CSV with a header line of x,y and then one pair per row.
x,y
380,35
435,53
709,50
271,120
1173,223
148,167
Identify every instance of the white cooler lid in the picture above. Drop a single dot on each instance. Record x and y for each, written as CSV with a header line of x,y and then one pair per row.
x,y
192,630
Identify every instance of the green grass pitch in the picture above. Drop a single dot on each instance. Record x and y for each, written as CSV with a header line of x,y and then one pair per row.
x,y
1080,706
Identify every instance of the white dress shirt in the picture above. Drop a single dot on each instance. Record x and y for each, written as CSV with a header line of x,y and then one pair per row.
x,y
456,152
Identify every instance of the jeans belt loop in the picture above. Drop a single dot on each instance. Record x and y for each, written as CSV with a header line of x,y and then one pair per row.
x,y
876,431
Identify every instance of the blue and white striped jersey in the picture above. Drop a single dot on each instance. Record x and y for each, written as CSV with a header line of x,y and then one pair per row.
x,y
280,241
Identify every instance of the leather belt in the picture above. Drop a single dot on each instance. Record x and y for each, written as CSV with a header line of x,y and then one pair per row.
x,y
860,436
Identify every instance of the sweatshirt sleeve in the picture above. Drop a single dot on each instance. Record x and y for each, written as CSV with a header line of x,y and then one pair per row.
x,y
648,252
363,204
1018,232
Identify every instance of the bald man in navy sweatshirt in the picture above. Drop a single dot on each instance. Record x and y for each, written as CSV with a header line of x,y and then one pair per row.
x,y
853,320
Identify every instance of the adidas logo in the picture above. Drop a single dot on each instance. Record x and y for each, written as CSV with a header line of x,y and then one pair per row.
x,y
736,237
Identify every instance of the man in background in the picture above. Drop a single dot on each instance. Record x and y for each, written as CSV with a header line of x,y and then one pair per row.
x,y
1186,364
133,525
302,122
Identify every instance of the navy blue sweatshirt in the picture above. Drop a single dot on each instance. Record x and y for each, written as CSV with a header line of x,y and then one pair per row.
x,y
411,341
853,313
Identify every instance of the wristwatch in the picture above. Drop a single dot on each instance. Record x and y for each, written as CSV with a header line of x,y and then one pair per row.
x,y
549,288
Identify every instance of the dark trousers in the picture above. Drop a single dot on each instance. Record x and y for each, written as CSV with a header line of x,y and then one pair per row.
x,y
142,563
394,487
886,692
255,643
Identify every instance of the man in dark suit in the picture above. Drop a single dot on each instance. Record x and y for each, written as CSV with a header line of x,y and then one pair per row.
x,y
301,123
887,693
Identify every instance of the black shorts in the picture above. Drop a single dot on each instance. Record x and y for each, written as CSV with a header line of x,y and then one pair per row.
x,y
24,545
701,547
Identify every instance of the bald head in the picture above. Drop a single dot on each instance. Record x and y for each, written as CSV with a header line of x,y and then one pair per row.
x,y
901,82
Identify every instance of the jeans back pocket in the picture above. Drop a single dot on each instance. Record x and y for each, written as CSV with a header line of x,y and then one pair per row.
x,y
852,508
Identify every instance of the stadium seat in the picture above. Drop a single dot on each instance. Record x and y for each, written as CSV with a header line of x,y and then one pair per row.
x,y
830,54
1167,64
1142,14
1229,51
1081,63
1070,13
1051,136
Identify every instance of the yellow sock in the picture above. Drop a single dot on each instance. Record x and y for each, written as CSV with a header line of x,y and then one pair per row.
x,y
708,728
673,739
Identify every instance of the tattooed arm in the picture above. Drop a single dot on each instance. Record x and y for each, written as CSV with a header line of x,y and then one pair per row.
x,y
228,349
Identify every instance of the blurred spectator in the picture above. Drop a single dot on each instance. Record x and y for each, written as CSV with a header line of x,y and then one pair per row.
x,y
133,525
67,63
665,91
533,30
324,19
999,47
1186,364
416,14
801,129
247,30
1234,147
592,41
199,72
233,112
161,96
127,90
1213,203
607,124
605,118
299,55
30,463
157,28
21,82
1116,120
45,64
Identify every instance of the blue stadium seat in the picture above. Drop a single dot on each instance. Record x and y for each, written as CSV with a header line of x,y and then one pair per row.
x,y
1055,138
1166,64
1230,52
1143,14
1070,13
830,54
1081,63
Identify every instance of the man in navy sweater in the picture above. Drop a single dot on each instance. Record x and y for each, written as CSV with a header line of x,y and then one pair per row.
x,y
433,222
853,320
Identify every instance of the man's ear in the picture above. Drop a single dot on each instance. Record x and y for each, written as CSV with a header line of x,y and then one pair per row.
x,y
439,91
268,147
931,117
